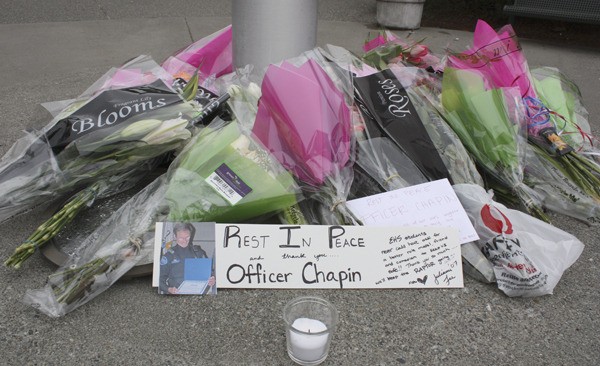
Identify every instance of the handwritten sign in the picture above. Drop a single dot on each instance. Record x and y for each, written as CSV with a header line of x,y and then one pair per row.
x,y
318,256
428,204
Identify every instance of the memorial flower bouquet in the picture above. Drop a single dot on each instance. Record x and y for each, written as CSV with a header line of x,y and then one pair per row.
x,y
557,191
222,174
120,135
385,159
386,48
303,119
552,122
490,125
392,109
165,138
432,151
552,189
45,165
380,164
564,100
116,162
405,125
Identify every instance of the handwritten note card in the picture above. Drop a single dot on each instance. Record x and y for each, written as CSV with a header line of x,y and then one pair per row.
x,y
428,204
318,256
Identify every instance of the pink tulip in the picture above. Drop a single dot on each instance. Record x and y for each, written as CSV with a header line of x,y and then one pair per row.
x,y
304,121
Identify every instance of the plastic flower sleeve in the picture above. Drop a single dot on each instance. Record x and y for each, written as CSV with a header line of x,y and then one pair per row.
x,y
43,164
115,247
227,178
383,160
189,191
25,186
457,160
211,55
498,57
490,127
107,144
140,70
54,108
244,91
303,119
347,61
387,164
390,111
420,87
556,190
378,159
563,98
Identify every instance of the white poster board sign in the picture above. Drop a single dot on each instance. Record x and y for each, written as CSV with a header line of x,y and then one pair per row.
x,y
428,204
319,257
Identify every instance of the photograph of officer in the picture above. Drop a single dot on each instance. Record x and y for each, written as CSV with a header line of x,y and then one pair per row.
x,y
173,259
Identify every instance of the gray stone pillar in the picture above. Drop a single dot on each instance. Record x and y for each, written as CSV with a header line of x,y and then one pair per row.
x,y
269,31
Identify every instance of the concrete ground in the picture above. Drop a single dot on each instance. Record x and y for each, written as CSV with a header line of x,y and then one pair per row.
x,y
55,50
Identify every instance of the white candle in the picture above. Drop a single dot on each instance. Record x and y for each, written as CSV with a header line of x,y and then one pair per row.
x,y
308,347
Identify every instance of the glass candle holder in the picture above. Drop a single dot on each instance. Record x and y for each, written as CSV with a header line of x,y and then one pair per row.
x,y
310,324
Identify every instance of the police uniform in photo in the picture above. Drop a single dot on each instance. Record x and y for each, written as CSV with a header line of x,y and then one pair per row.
x,y
172,263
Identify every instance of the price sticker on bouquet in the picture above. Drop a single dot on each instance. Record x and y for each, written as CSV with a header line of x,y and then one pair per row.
x,y
228,184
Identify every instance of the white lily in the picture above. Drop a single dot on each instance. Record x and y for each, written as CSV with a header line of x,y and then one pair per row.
x,y
140,128
169,130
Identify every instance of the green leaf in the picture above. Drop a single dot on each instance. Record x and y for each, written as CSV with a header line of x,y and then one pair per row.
x,y
191,88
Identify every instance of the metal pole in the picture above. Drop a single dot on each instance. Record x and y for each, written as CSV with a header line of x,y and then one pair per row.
x,y
269,31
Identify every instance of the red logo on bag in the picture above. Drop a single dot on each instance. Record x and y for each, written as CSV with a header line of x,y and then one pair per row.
x,y
498,225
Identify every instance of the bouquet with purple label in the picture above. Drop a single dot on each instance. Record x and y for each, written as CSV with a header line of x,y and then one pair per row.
x,y
221,175
227,177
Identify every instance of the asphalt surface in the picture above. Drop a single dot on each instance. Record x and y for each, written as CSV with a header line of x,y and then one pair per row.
x,y
55,50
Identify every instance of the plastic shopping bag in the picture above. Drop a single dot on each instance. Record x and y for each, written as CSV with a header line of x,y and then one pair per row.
x,y
529,256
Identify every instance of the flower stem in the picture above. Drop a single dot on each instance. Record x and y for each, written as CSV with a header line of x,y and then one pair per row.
x,y
52,226
532,207
293,215
73,283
